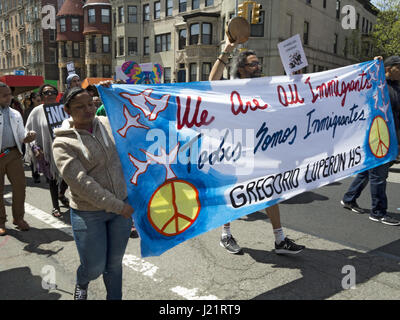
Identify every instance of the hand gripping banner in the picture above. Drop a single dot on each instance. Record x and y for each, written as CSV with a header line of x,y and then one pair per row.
x,y
198,155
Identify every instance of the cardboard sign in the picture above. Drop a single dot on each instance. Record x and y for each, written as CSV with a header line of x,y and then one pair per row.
x,y
55,115
292,54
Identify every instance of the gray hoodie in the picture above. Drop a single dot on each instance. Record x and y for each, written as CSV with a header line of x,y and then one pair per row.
x,y
89,164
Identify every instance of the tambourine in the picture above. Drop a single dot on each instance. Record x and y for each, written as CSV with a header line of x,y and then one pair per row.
x,y
238,30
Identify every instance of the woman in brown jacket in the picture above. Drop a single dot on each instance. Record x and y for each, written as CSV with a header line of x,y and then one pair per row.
x,y
86,157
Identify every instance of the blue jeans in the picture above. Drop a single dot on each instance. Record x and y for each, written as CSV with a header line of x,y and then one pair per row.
x,y
377,178
101,239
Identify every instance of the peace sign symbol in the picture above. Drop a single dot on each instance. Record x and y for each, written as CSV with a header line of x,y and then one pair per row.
x,y
379,138
173,207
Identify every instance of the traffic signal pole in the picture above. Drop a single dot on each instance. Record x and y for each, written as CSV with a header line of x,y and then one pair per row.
x,y
236,7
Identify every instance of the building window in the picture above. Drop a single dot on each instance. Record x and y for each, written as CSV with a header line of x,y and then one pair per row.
x,y
115,49
93,70
132,45
75,24
106,44
195,4
363,24
205,71
182,39
93,44
337,9
163,42
106,71
209,3
182,5
75,49
167,75
206,32
105,15
194,33
335,43
64,51
358,21
289,25
192,72
132,14
157,10
257,30
120,14
324,5
52,56
146,46
52,35
92,16
146,12
169,8
121,46
114,19
306,32
63,26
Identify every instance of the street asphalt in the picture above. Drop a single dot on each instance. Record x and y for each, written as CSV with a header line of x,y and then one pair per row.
x,y
348,256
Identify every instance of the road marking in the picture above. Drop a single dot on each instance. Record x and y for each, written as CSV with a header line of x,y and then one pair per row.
x,y
191,294
141,266
134,263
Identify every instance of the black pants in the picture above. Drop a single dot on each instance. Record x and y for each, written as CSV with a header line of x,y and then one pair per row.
x,y
56,190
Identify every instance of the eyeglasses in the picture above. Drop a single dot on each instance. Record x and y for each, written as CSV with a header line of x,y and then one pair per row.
x,y
49,93
253,64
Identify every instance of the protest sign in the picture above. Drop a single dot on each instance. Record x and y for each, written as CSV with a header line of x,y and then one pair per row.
x,y
292,54
55,115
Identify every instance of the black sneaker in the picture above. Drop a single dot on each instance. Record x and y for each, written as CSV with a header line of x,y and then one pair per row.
x,y
80,293
288,246
353,206
386,220
229,243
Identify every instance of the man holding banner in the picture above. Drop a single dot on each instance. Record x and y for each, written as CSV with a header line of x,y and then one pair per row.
x,y
198,155
377,176
247,65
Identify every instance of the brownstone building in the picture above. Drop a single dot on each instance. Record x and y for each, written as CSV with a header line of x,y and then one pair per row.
x,y
84,38
97,33
70,39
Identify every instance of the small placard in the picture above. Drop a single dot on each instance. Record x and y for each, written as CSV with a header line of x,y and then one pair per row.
x,y
70,67
292,54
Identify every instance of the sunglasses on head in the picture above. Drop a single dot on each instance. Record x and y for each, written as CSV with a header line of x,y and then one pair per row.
x,y
49,93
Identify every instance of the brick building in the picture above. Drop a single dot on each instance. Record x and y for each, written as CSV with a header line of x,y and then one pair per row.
x,y
24,44
185,36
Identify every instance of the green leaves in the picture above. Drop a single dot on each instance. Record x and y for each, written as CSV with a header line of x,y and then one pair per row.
x,y
386,32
